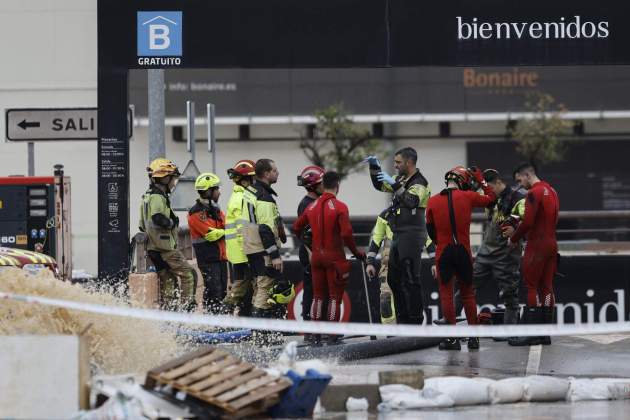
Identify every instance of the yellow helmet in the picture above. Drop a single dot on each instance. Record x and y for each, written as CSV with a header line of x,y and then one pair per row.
x,y
281,295
161,167
206,181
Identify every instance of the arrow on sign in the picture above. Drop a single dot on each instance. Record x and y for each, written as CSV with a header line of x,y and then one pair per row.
x,y
24,125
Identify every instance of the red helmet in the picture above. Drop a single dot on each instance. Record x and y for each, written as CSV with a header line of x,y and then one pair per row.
x,y
310,177
242,168
461,176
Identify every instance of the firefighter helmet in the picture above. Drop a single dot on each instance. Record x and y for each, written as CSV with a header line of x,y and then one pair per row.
x,y
206,181
461,176
242,168
161,167
281,294
310,177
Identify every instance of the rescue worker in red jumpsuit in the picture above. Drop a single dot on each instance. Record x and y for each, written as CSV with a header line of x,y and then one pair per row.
x,y
331,230
448,224
311,179
540,259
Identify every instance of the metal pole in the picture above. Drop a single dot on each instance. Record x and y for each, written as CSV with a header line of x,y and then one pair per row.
x,y
367,296
157,146
31,158
190,128
212,145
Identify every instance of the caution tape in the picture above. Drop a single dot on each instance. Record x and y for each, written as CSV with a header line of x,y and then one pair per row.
x,y
358,328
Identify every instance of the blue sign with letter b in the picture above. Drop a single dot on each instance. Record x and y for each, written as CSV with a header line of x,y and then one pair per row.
x,y
159,34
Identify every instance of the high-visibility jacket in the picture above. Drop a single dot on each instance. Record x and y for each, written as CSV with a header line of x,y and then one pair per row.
x,y
158,221
233,225
206,223
410,198
261,220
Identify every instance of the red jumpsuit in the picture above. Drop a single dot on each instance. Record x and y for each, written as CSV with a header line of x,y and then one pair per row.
x,y
540,259
331,230
453,261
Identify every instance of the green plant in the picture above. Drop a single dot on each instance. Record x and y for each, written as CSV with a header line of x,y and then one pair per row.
x,y
337,143
538,134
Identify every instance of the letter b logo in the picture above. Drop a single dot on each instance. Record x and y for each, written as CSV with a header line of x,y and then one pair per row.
x,y
159,34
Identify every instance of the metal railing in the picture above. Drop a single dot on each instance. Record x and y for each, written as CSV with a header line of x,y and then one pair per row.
x,y
577,238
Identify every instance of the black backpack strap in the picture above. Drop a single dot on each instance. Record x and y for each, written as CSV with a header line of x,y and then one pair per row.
x,y
451,213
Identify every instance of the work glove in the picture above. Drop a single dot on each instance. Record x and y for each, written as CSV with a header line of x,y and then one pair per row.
x,y
385,177
477,175
373,161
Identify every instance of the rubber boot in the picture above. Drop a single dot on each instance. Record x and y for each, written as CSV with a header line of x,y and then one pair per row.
x,y
473,343
510,317
530,316
333,340
450,344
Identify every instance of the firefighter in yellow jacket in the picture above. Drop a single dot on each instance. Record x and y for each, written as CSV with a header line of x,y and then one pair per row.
x,y
160,223
242,175
262,238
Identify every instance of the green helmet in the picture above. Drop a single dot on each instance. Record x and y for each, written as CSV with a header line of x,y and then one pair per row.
x,y
281,295
207,180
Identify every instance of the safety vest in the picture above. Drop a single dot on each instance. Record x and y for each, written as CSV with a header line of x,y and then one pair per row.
x,y
233,226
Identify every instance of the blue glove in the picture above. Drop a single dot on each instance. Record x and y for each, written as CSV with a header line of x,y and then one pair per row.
x,y
385,177
372,160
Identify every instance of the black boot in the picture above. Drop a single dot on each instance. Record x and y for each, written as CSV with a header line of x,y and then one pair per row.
x,y
450,344
510,317
333,340
473,343
530,316
547,318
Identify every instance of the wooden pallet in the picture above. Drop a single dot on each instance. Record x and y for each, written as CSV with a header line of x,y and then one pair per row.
x,y
237,388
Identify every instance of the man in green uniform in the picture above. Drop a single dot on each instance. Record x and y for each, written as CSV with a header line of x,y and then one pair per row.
x,y
261,242
495,259
160,223
407,221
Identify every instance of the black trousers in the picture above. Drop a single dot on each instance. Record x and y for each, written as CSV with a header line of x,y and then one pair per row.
x,y
403,276
214,284
307,284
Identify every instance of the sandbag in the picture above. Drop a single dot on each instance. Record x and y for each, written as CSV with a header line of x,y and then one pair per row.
x,y
463,391
618,388
587,390
403,397
508,390
545,388
357,404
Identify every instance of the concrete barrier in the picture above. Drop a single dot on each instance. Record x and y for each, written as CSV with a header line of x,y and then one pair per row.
x,y
43,377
